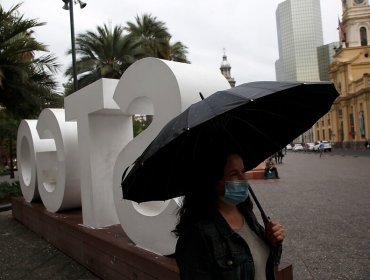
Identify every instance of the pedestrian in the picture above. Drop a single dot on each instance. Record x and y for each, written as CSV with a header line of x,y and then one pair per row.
x,y
219,236
280,156
321,148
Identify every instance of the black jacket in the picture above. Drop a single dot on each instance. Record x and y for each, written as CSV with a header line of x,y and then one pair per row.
x,y
210,249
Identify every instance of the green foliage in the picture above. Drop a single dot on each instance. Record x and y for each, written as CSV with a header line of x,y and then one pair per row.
x,y
8,135
104,53
107,52
26,78
152,34
154,38
9,190
137,126
178,52
140,123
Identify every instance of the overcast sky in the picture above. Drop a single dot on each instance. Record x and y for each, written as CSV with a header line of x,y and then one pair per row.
x,y
245,28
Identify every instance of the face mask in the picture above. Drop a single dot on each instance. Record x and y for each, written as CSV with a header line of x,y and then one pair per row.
x,y
235,192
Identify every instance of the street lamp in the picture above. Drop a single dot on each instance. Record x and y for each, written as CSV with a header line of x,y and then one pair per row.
x,y
68,5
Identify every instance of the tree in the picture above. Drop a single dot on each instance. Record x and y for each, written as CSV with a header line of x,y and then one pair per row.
x,y
26,81
8,131
105,53
152,35
178,52
155,39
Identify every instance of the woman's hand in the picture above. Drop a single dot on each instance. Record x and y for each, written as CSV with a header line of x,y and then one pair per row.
x,y
275,233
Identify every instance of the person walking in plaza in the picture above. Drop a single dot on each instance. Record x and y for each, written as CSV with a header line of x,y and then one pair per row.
x,y
280,156
321,149
219,236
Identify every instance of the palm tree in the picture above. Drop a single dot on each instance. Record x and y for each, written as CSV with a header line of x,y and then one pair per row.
x,y
8,135
152,34
25,80
105,53
178,52
155,39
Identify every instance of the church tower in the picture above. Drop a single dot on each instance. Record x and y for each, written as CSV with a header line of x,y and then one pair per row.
x,y
355,26
226,70
348,122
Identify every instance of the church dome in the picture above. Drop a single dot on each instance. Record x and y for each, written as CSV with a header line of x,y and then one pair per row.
x,y
224,62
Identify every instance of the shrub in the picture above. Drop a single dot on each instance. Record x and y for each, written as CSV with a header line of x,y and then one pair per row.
x,y
8,190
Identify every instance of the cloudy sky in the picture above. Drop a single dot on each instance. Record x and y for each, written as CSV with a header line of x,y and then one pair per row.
x,y
245,28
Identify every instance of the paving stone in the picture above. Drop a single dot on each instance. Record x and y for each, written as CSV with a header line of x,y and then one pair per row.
x,y
324,204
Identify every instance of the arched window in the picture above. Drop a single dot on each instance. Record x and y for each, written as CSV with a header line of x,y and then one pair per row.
x,y
363,36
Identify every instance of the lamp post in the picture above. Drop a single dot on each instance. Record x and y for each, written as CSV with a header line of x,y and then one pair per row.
x,y
68,5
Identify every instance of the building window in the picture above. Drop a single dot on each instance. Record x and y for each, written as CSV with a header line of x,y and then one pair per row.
x,y
330,134
352,126
318,135
362,124
323,134
363,36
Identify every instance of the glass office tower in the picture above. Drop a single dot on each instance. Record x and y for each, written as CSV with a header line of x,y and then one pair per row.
x,y
299,30
325,56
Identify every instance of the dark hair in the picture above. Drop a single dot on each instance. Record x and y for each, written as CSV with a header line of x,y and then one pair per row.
x,y
201,196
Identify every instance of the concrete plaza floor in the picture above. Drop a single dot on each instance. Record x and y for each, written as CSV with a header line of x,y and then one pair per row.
x,y
324,204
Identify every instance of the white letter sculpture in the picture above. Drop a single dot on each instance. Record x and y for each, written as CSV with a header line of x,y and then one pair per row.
x,y
79,155
163,89
28,145
57,171
103,131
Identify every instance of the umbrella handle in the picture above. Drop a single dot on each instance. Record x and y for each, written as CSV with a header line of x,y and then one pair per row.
x,y
265,218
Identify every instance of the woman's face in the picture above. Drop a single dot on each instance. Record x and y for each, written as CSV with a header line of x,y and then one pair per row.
x,y
233,171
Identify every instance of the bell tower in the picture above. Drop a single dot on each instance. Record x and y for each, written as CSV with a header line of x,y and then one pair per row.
x,y
355,23
225,70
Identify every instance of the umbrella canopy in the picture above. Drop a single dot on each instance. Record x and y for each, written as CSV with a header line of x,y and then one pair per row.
x,y
258,118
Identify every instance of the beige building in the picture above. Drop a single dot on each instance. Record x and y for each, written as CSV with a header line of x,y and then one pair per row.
x,y
348,122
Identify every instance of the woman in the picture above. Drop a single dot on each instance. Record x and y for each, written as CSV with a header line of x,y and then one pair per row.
x,y
270,168
219,236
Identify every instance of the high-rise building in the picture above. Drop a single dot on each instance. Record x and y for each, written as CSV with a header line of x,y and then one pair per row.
x,y
325,56
299,30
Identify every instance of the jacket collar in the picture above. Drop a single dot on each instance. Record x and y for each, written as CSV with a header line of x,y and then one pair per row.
x,y
224,227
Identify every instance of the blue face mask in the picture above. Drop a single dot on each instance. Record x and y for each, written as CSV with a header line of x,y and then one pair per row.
x,y
235,192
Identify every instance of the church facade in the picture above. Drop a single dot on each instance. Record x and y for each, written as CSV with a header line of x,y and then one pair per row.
x,y
347,124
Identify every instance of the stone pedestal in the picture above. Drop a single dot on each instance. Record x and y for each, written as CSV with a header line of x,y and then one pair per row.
x,y
107,252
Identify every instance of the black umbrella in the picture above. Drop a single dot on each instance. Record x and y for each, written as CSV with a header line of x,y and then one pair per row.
x,y
258,118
